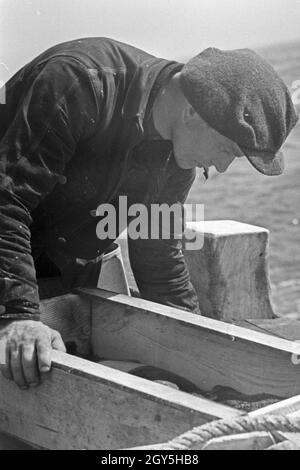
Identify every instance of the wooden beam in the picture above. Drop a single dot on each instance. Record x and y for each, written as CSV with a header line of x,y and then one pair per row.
x,y
206,352
11,443
83,405
280,327
291,408
71,316
284,407
231,272
255,440
286,445
247,441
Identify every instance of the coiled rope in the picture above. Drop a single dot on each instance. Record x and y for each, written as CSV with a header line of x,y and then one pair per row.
x,y
197,437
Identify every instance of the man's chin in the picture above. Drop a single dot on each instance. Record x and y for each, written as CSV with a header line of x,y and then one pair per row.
x,y
185,164
220,170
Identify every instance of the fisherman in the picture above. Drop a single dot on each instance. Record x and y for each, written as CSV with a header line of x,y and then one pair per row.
x,y
92,119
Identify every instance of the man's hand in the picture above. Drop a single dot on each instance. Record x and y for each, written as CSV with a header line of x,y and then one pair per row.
x,y
28,345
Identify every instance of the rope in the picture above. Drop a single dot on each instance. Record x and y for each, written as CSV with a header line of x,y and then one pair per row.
x,y
196,438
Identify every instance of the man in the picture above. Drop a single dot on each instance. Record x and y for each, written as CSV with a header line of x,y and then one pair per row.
x,y
92,119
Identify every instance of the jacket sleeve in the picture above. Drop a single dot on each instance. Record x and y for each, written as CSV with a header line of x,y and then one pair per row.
x,y
159,265
58,108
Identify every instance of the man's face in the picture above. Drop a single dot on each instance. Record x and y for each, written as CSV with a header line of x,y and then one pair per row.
x,y
196,144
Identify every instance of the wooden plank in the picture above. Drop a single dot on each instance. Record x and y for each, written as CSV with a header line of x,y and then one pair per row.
x,y
205,351
291,408
284,407
286,445
247,441
70,315
281,327
83,405
289,329
11,443
230,272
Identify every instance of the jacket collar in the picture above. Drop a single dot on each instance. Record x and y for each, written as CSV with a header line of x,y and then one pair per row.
x,y
138,93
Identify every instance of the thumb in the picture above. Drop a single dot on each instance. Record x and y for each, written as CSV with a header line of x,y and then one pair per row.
x,y
57,342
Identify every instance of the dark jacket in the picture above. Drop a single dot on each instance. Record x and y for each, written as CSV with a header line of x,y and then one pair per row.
x,y
72,138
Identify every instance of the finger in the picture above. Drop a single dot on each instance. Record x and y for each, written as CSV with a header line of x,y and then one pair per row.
x,y
57,342
30,365
44,348
16,366
5,367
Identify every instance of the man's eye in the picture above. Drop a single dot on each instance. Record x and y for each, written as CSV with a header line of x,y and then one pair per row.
x,y
227,151
247,117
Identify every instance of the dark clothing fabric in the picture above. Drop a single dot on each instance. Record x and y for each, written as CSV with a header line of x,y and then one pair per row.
x,y
72,138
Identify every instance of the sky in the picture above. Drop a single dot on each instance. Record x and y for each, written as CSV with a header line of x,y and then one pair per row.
x,y
173,29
